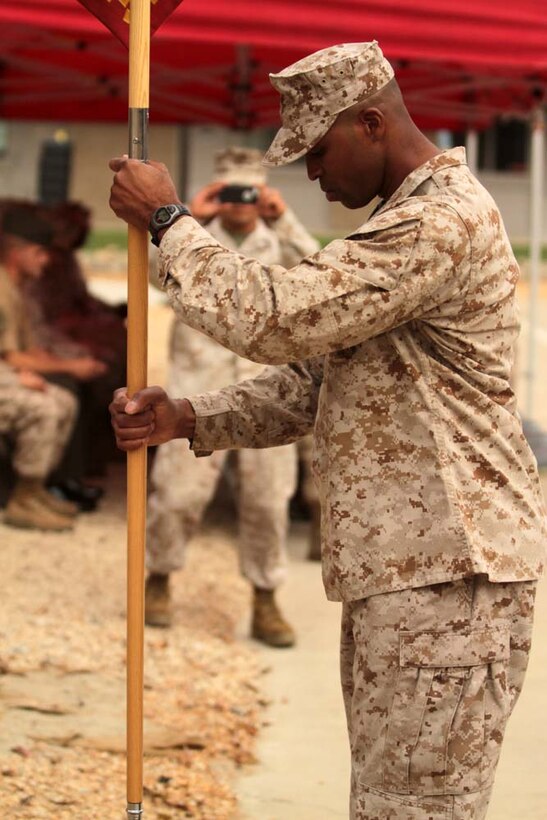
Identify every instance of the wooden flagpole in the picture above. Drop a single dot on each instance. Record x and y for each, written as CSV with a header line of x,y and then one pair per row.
x,y
137,344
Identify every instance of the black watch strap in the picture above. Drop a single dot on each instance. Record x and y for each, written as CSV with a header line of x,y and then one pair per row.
x,y
163,217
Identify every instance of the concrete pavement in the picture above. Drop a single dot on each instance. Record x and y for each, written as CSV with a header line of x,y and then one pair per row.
x,y
303,768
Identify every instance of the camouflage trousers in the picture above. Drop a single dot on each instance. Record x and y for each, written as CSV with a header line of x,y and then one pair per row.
x,y
182,486
430,677
305,457
39,423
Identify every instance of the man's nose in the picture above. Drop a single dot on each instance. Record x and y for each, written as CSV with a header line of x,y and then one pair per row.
x,y
312,168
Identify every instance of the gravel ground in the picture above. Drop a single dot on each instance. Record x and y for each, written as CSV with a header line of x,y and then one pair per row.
x,y
62,676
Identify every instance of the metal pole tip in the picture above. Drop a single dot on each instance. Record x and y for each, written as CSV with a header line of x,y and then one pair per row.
x,y
134,811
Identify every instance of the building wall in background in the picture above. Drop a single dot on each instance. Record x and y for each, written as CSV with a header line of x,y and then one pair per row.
x,y
92,147
94,144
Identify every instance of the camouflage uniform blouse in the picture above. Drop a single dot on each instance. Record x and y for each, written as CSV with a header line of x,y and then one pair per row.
x,y
396,346
200,363
15,329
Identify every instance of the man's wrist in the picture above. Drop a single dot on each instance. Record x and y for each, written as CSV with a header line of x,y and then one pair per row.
x,y
161,234
186,423
163,218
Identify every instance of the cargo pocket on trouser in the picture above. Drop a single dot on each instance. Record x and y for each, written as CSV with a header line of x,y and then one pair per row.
x,y
448,712
376,805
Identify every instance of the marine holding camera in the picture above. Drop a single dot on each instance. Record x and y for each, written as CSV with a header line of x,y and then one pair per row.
x,y
244,214
241,204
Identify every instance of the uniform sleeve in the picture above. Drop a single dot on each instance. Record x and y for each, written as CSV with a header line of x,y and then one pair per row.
x,y
400,266
296,242
277,407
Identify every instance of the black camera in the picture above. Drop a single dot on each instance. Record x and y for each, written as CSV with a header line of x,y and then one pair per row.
x,y
244,194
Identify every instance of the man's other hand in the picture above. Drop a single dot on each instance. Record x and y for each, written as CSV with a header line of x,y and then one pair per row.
x,y
150,417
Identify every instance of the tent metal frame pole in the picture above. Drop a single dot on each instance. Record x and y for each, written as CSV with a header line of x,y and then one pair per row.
x,y
537,184
472,150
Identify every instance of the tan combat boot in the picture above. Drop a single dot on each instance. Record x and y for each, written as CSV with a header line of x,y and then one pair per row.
x,y
26,509
58,505
269,625
157,600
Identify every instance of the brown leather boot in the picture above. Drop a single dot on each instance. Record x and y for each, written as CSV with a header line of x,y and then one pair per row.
x,y
27,509
269,625
157,600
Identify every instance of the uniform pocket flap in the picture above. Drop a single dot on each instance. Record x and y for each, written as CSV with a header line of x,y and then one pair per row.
x,y
383,222
475,647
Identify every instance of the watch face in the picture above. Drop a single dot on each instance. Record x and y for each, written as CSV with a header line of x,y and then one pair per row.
x,y
163,214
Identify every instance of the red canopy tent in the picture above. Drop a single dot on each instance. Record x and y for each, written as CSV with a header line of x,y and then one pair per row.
x,y
459,64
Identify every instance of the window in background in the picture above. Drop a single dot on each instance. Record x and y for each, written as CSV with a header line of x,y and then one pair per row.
x,y
3,139
503,147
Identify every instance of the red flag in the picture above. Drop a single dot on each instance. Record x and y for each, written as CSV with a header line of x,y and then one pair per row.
x,y
114,14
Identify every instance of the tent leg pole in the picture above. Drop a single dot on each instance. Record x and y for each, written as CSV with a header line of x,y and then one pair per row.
x,y
472,150
537,154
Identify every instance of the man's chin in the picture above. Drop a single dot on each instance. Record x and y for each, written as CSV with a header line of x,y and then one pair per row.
x,y
351,204
354,205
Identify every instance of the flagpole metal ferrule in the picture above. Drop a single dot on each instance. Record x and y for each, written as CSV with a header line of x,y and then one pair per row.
x,y
134,811
138,133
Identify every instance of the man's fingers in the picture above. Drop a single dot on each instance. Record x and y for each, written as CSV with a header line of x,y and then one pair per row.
x,y
140,401
132,432
125,421
124,443
142,432
134,419
117,163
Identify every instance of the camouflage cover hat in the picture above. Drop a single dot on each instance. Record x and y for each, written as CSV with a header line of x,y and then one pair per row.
x,y
316,89
240,166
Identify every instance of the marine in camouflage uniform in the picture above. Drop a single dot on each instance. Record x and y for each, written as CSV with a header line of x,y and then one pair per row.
x,y
36,418
396,345
181,486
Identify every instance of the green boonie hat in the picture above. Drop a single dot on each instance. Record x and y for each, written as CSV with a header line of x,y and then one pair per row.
x,y
316,89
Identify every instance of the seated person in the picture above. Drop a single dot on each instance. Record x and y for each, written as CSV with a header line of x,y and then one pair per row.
x,y
76,323
63,295
21,258
36,417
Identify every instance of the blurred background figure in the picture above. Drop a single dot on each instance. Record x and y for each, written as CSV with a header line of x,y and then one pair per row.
x,y
72,323
36,418
242,213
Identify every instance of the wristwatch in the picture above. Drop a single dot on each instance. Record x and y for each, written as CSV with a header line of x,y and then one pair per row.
x,y
163,217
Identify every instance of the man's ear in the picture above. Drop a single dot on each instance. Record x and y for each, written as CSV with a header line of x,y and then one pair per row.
x,y
373,123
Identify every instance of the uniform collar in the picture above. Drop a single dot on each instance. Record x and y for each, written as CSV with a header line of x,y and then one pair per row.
x,y
446,159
